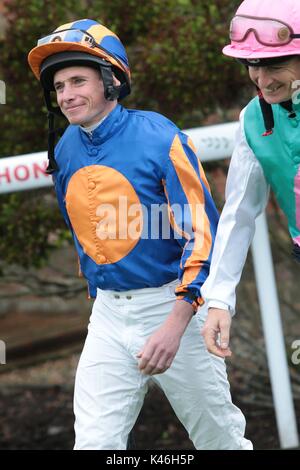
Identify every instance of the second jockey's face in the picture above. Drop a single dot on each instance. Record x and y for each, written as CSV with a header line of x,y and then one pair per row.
x,y
278,82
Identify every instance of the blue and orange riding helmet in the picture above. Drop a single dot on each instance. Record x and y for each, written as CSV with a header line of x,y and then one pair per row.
x,y
86,43
83,42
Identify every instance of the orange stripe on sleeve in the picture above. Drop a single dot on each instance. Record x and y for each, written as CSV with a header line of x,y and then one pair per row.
x,y
193,191
172,220
201,171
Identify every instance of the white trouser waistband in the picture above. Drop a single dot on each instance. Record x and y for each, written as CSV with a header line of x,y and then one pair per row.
x,y
132,293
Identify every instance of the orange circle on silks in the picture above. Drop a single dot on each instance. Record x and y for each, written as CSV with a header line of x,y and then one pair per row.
x,y
105,213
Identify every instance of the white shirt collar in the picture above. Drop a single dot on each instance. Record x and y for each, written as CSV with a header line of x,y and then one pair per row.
x,y
89,129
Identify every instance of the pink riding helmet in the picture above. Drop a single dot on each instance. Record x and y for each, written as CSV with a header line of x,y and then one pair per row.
x,y
265,29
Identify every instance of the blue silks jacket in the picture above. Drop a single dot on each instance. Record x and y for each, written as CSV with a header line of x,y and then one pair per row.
x,y
137,201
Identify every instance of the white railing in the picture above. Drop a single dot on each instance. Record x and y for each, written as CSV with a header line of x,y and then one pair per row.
x,y
212,143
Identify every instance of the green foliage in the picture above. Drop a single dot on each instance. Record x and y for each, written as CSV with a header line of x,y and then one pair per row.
x,y
23,129
29,228
174,47
30,225
175,51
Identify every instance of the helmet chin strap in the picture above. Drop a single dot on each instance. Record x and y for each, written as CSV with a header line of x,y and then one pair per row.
x,y
267,113
52,112
111,91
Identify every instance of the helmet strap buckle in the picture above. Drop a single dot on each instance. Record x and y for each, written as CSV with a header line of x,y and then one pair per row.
x,y
111,92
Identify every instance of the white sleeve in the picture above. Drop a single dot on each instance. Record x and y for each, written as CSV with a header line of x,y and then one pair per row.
x,y
246,197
